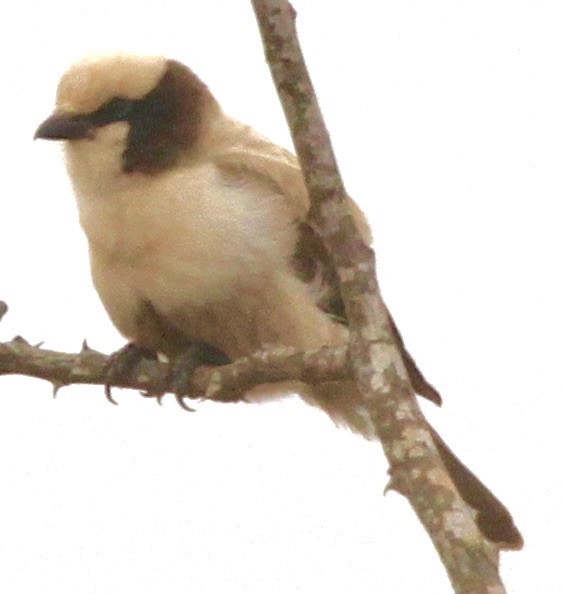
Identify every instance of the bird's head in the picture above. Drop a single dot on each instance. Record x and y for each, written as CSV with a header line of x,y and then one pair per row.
x,y
145,114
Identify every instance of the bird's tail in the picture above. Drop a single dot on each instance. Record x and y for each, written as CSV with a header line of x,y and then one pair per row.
x,y
345,405
492,517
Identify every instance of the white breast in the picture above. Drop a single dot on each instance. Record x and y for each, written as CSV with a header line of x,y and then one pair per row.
x,y
185,235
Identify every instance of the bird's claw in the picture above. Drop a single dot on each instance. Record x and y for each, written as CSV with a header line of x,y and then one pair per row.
x,y
121,364
181,401
183,367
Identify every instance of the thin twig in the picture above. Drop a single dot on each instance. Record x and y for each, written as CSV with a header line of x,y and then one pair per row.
x,y
227,383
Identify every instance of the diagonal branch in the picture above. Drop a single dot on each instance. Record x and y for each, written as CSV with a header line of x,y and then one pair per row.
x,y
416,469
372,358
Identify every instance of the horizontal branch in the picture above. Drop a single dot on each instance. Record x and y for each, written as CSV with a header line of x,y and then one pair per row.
x,y
227,383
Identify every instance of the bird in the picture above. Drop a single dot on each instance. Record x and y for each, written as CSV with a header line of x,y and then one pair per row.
x,y
200,241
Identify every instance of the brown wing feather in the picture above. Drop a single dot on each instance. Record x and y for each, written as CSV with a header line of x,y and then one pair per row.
x,y
253,155
311,261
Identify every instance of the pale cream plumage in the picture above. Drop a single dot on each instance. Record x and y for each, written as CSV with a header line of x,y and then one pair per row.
x,y
194,222
208,245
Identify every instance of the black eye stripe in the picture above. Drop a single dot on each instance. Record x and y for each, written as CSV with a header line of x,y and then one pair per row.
x,y
116,110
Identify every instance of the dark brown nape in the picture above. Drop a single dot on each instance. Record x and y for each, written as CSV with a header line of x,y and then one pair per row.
x,y
168,122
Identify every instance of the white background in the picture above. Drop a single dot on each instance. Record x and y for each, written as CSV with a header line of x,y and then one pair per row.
x,y
446,118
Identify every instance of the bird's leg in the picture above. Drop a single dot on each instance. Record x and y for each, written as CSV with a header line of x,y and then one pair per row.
x,y
122,363
183,366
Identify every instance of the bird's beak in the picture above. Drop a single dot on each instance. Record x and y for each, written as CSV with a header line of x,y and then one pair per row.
x,y
64,126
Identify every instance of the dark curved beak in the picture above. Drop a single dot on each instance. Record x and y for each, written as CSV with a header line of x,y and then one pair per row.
x,y
64,126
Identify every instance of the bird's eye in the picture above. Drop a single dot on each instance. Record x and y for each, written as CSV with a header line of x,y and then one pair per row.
x,y
117,110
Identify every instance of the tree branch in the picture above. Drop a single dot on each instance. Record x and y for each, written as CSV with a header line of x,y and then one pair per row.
x,y
372,357
227,383
416,469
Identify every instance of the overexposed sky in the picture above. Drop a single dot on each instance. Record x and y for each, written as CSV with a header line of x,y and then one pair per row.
x,y
447,123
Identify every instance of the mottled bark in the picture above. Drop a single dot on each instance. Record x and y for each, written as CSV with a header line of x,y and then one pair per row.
x,y
227,383
416,470
372,357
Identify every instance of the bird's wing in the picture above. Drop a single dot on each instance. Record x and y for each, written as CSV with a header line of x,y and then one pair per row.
x,y
254,155
277,169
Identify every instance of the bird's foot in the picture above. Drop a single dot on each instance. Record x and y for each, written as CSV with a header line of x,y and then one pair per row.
x,y
122,363
183,367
